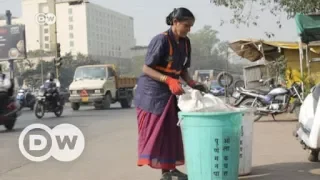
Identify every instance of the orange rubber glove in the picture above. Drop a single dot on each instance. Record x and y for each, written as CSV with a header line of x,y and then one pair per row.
x,y
174,86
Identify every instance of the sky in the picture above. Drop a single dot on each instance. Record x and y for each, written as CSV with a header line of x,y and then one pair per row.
x,y
149,18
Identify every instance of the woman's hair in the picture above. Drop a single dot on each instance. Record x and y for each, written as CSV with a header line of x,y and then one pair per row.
x,y
180,14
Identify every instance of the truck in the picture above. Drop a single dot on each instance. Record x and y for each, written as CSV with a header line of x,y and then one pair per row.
x,y
100,86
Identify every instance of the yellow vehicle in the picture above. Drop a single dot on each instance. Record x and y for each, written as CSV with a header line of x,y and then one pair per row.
x,y
101,86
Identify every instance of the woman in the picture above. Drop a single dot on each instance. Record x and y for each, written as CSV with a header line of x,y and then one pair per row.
x,y
168,57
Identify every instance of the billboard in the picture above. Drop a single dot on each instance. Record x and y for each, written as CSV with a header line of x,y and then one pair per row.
x,y
12,42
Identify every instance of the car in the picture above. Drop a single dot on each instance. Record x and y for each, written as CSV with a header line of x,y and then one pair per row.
x,y
217,90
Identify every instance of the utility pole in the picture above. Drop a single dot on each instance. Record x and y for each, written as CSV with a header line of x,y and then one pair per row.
x,y
42,78
52,7
55,35
8,21
41,61
226,88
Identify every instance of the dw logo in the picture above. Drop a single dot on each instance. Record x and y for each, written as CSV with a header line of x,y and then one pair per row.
x,y
45,18
67,142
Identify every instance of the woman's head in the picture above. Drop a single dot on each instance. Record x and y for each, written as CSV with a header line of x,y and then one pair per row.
x,y
181,19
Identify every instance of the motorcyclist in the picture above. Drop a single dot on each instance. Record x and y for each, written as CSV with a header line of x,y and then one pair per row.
x,y
53,84
6,90
207,82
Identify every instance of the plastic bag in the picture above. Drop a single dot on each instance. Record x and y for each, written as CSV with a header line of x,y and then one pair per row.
x,y
194,101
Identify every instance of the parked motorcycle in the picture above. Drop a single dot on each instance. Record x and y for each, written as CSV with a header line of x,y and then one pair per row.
x,y
308,129
9,115
274,101
45,103
26,99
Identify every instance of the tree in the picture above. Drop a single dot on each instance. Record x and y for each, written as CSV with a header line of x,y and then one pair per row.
x,y
247,11
277,69
203,41
33,76
40,53
208,52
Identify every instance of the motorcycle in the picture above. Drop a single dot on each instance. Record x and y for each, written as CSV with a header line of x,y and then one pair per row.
x,y
274,101
45,103
8,116
26,99
308,128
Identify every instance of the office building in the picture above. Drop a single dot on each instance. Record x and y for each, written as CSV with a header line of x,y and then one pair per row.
x,y
85,28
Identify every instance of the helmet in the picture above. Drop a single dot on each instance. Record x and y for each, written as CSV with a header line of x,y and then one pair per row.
x,y
50,76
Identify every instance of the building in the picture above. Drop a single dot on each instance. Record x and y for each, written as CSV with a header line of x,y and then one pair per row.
x,y
139,51
85,28
94,30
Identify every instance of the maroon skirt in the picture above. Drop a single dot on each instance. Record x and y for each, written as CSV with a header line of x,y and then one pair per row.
x,y
160,141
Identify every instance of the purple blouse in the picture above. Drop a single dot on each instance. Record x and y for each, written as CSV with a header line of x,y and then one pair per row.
x,y
152,95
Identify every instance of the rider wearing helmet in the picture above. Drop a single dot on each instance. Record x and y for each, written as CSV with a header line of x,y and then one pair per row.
x,y
51,83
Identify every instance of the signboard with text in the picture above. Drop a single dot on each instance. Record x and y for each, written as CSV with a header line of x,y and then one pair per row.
x,y
12,42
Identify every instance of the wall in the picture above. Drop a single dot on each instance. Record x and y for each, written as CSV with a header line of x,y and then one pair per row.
x,y
139,51
110,34
72,28
34,32
293,61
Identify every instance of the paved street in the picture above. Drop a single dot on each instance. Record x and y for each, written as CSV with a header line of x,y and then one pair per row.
x,y
110,152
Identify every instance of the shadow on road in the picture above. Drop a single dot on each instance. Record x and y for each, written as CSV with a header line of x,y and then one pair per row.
x,y
285,171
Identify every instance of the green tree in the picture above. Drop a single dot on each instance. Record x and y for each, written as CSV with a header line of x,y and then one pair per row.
x,y
40,53
278,68
33,75
208,52
248,11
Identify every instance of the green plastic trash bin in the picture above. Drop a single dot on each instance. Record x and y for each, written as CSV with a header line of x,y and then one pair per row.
x,y
211,144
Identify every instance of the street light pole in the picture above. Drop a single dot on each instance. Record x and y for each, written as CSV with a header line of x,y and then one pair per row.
x,y
55,35
42,79
8,22
52,4
41,61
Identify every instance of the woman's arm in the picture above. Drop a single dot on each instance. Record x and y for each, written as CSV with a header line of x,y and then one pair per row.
x,y
153,73
186,76
157,50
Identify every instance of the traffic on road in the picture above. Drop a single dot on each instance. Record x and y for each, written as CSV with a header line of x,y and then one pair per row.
x,y
87,92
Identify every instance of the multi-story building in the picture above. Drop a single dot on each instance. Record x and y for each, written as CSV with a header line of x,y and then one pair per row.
x,y
94,30
139,51
85,28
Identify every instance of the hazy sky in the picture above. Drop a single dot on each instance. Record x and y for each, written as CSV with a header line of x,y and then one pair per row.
x,y
149,18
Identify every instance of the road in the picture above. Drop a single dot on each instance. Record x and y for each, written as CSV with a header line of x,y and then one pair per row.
x,y
110,151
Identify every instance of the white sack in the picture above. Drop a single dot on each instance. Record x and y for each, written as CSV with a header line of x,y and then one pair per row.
x,y
194,101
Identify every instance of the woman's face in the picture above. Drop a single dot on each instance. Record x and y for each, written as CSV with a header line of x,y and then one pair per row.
x,y
183,27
